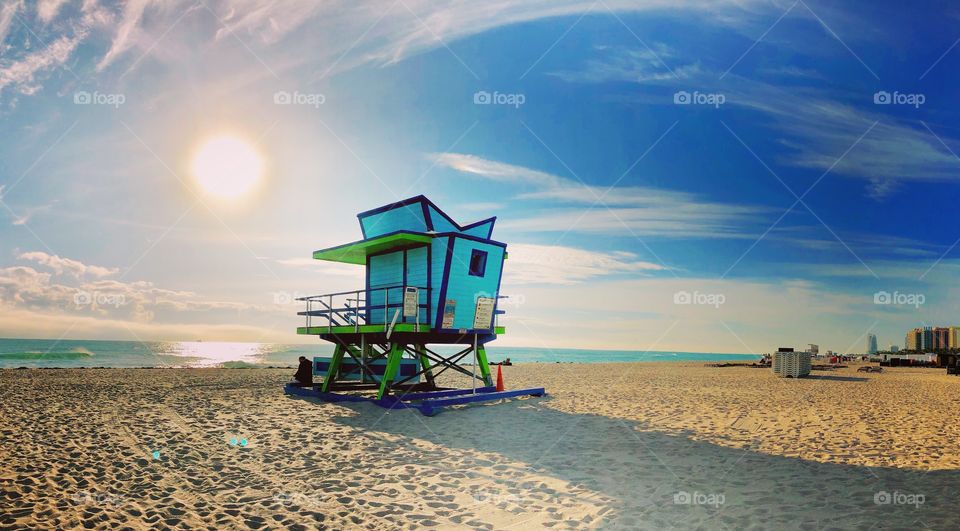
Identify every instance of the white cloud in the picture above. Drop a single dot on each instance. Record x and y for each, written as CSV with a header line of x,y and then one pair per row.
x,y
126,31
754,317
646,211
817,128
22,74
25,323
554,264
26,289
631,64
7,12
69,266
324,269
391,31
47,9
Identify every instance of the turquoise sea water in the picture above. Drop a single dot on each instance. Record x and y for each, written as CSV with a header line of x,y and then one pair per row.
x,y
86,353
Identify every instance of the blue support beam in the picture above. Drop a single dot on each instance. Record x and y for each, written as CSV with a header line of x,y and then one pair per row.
x,y
432,406
443,394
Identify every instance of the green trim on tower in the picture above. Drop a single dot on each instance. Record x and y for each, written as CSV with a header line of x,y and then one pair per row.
x,y
425,364
334,367
484,366
393,364
363,329
357,252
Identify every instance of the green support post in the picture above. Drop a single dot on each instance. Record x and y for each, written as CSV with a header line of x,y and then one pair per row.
x,y
334,367
393,365
425,364
484,366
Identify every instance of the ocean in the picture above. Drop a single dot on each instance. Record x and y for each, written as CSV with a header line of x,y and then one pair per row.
x,y
87,353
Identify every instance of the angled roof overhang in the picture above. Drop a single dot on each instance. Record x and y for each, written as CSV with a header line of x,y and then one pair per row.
x,y
357,252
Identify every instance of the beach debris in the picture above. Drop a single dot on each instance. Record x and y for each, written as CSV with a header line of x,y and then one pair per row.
x,y
156,454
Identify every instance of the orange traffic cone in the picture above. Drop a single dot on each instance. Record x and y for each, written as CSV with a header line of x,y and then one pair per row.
x,y
499,378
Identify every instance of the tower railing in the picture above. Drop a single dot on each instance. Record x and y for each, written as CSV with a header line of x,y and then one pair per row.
x,y
374,305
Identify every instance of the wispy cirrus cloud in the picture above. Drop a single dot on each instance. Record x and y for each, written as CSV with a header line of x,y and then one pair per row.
x,y
7,13
646,211
816,125
343,35
555,264
23,75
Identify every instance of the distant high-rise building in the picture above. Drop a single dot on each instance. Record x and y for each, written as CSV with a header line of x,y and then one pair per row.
x,y
941,338
953,337
926,338
872,344
914,339
894,348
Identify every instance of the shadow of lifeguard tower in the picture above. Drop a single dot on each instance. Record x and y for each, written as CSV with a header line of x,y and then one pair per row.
x,y
429,281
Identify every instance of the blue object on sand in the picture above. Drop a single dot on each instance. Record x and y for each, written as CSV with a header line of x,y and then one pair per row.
x,y
233,441
427,403
156,454
243,442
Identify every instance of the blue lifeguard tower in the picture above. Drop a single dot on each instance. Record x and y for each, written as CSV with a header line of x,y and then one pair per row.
x,y
429,281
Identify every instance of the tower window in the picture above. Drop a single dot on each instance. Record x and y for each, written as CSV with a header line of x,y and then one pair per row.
x,y
478,263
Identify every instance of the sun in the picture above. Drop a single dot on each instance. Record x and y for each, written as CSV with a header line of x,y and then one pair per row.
x,y
227,167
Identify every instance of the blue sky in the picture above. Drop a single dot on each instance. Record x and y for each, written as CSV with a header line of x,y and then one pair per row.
x,y
794,200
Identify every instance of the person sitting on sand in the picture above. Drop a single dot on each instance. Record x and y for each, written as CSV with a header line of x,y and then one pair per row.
x,y
304,375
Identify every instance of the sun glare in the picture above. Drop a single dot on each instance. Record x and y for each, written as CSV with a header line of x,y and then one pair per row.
x,y
227,167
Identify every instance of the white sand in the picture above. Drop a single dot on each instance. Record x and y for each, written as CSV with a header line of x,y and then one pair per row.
x,y
611,447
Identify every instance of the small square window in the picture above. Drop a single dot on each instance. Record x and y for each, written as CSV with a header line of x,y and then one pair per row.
x,y
478,263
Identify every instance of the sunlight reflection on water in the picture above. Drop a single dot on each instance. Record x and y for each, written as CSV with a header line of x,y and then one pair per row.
x,y
216,353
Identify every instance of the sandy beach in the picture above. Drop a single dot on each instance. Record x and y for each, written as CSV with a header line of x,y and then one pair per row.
x,y
613,446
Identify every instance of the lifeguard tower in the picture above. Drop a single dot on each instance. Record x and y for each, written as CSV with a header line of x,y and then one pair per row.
x,y
429,281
